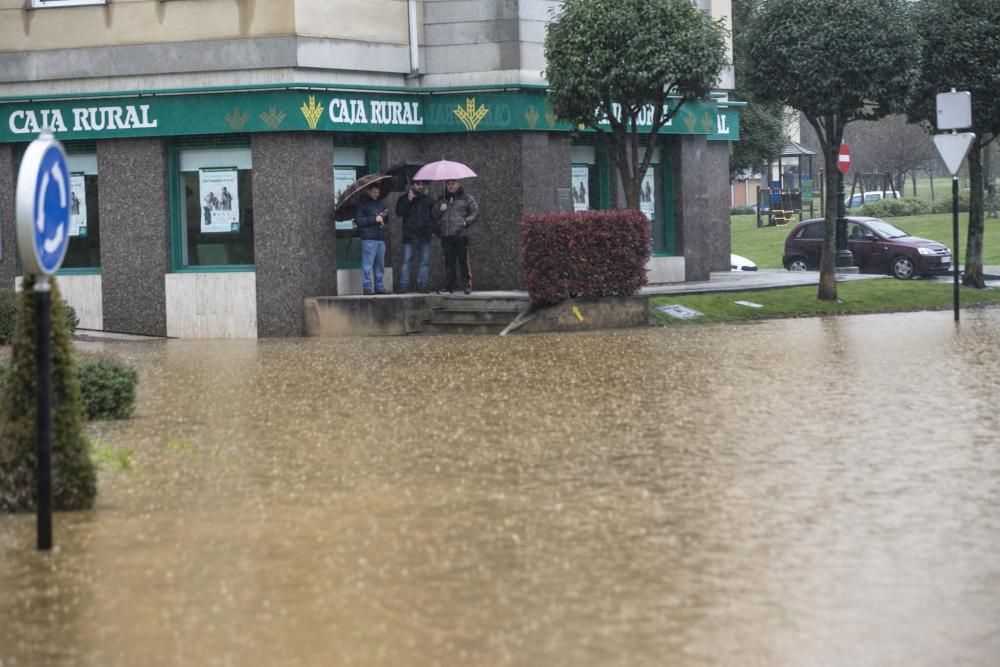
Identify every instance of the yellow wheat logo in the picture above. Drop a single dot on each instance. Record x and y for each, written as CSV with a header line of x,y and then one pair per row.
x,y
273,118
550,118
470,115
237,120
706,123
312,112
689,121
532,117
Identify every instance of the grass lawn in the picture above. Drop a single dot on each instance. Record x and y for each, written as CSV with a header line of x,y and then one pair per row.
x,y
856,296
765,245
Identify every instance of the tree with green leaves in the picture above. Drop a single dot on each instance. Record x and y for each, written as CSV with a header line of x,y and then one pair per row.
x,y
615,63
74,477
836,61
961,50
762,123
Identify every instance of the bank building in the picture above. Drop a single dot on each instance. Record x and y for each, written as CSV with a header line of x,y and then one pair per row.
x,y
207,140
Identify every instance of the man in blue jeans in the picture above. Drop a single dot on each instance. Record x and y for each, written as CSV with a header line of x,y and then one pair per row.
x,y
370,215
418,229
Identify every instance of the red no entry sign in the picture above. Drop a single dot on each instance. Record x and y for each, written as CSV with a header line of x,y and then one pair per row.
x,y
844,159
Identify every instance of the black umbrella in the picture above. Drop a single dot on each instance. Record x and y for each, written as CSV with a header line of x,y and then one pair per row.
x,y
344,210
404,171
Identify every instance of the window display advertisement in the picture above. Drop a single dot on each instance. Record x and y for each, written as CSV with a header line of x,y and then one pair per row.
x,y
342,179
647,195
220,203
77,205
581,198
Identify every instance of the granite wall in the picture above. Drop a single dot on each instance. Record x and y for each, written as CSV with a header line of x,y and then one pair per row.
x,y
294,240
702,206
8,225
516,173
135,244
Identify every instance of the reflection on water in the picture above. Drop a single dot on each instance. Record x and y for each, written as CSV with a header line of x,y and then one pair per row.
x,y
809,492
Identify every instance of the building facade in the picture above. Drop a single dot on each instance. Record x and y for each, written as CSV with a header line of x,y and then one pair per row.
x,y
207,140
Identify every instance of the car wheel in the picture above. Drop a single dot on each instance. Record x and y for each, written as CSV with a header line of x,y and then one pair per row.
x,y
902,267
798,264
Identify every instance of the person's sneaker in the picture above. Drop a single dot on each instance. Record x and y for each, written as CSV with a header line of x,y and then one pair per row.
x,y
380,291
468,290
367,292
444,291
423,289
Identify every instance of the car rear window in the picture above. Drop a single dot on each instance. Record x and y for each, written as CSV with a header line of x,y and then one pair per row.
x,y
812,232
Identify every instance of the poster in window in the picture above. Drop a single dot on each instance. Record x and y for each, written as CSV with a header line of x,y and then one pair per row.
x,y
220,201
77,205
647,195
342,178
581,198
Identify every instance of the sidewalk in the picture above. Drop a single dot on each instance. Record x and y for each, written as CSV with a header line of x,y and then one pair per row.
x,y
745,281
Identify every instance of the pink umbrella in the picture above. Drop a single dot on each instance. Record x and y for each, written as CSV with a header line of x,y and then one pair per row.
x,y
443,170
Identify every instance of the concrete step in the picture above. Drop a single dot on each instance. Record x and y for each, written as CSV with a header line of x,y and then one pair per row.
x,y
480,303
470,316
460,328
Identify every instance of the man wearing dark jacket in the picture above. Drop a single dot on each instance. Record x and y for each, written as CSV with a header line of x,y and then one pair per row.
x,y
456,211
370,214
418,228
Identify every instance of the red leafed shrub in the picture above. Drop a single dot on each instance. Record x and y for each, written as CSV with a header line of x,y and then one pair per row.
x,y
586,254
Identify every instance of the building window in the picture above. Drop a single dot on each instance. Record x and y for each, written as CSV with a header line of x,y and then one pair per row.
x,y
84,249
39,4
657,203
214,202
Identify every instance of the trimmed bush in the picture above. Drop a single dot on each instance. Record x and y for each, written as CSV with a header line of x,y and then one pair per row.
x,y
586,254
8,313
943,202
894,208
74,478
108,388
742,210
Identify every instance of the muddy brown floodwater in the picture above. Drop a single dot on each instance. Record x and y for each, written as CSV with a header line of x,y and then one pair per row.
x,y
799,492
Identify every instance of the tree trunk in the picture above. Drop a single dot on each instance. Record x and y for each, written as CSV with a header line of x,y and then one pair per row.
x,y
973,276
828,259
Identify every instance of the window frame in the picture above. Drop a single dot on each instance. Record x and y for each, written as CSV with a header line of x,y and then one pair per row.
x,y
177,237
84,149
53,4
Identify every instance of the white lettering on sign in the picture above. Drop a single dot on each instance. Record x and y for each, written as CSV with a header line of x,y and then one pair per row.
x,y
85,119
722,127
379,112
645,116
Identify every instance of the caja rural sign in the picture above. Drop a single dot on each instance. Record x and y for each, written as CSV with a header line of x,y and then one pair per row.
x,y
298,110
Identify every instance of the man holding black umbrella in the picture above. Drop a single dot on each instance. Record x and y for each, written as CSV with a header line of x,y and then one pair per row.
x,y
371,215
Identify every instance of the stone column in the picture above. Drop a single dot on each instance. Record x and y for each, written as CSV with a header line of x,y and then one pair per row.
x,y
294,233
135,239
8,225
701,172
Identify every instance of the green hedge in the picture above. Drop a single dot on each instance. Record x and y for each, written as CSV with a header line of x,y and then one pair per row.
x,y
899,208
8,313
107,386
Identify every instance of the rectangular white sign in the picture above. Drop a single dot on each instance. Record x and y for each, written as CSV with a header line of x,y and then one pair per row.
x,y
580,194
647,195
77,205
220,203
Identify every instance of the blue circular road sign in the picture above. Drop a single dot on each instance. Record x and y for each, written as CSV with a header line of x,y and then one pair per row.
x,y
43,203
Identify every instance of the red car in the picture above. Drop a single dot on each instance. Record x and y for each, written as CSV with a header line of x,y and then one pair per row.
x,y
878,247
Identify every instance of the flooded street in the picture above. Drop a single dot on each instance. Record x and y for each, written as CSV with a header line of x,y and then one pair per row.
x,y
797,492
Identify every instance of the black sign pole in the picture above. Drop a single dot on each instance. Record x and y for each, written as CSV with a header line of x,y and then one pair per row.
x,y
43,306
954,230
